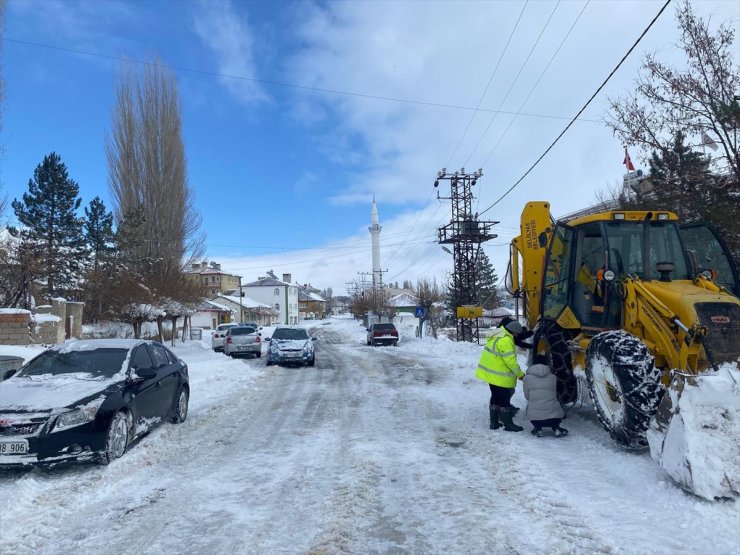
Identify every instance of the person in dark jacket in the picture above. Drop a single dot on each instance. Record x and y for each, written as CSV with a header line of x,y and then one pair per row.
x,y
543,408
521,339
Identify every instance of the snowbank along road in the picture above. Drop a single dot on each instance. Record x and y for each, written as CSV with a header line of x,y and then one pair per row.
x,y
374,450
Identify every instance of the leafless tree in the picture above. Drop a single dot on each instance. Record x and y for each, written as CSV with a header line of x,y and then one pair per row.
x,y
698,101
148,176
431,299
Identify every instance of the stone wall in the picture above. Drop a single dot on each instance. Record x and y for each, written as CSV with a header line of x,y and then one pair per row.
x,y
47,329
14,327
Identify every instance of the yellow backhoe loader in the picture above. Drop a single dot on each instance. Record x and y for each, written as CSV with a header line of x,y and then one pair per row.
x,y
631,305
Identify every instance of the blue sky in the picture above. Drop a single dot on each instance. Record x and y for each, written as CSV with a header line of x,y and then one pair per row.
x,y
283,176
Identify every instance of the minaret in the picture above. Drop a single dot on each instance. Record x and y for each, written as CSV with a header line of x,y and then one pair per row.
x,y
375,232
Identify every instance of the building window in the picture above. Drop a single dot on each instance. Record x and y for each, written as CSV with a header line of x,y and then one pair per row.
x,y
276,292
277,306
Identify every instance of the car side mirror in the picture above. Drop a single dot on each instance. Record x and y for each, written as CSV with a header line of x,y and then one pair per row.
x,y
314,339
9,374
267,338
145,373
367,329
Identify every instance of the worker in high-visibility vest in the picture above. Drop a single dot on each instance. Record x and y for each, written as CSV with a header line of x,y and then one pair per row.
x,y
499,368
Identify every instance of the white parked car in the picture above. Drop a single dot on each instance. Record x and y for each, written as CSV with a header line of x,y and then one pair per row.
x,y
243,341
219,336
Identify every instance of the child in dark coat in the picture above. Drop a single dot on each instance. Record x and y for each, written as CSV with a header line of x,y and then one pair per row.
x,y
543,408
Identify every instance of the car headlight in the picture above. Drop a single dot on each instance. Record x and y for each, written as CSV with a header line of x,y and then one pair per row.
x,y
75,418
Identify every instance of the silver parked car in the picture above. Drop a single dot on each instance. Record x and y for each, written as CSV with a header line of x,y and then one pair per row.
x,y
243,341
219,336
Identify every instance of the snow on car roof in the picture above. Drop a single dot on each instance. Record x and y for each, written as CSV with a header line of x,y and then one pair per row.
x,y
92,344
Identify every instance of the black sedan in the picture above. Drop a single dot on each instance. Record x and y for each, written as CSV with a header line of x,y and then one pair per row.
x,y
89,400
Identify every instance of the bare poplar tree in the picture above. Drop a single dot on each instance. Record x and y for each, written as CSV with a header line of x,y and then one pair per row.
x,y
148,177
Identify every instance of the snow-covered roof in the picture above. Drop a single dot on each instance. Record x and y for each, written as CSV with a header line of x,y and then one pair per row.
x,y
211,305
266,282
14,311
245,301
497,312
305,296
404,299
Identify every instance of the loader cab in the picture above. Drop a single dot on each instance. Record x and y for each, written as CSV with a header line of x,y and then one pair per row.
x,y
589,257
708,253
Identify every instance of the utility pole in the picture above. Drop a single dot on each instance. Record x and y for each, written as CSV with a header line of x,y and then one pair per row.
x,y
465,233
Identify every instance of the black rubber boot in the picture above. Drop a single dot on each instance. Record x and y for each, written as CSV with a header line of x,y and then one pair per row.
x,y
493,411
506,416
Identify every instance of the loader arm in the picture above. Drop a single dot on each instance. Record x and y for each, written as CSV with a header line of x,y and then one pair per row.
x,y
675,345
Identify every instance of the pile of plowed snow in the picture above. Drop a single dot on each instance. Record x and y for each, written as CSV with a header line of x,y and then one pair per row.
x,y
700,447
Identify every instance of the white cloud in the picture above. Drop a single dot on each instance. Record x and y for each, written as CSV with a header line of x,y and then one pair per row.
x,y
233,42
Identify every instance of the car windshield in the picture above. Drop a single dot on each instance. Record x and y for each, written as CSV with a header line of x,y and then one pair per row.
x,y
225,327
245,330
289,333
98,363
384,326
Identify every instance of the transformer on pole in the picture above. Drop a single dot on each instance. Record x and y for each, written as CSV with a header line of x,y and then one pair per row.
x,y
466,234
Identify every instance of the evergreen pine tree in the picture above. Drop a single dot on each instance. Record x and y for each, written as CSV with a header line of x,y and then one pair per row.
x,y
684,183
486,281
99,234
48,216
101,244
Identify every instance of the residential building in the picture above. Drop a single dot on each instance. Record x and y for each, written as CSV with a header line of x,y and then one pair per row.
x,y
210,314
311,305
212,279
246,309
279,294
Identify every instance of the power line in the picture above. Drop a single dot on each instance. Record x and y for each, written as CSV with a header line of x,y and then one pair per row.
x,y
581,110
274,83
531,91
524,64
485,91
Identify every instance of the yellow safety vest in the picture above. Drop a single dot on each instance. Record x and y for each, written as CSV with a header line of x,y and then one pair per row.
x,y
498,364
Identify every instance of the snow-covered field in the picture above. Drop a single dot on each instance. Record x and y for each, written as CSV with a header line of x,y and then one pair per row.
x,y
375,450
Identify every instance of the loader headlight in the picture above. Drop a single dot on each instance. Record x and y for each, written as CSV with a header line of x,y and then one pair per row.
x,y
609,275
663,216
619,216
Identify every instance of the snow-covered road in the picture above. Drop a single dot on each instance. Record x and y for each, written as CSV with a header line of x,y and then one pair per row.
x,y
375,450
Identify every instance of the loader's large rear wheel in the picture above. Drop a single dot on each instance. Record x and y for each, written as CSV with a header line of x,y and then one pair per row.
x,y
624,386
550,346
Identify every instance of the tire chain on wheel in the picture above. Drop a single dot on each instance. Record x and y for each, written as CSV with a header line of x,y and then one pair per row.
x,y
633,366
559,359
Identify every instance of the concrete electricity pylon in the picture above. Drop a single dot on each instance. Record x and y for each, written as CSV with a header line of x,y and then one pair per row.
x,y
465,233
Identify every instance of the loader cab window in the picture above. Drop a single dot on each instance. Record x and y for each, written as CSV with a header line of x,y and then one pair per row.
x,y
710,255
557,272
665,246
589,292
625,254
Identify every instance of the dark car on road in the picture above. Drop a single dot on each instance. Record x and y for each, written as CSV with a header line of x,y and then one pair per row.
x,y
382,334
89,400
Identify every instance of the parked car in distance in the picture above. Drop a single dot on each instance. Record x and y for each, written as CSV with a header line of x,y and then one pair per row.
x,y
382,334
219,336
290,345
87,401
243,341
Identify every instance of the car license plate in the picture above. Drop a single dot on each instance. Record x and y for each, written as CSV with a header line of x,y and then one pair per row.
x,y
13,447
241,348
292,355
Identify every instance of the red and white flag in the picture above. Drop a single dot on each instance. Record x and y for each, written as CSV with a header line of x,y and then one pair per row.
x,y
628,161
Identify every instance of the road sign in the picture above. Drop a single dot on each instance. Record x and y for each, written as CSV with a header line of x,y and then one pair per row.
x,y
468,311
420,312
